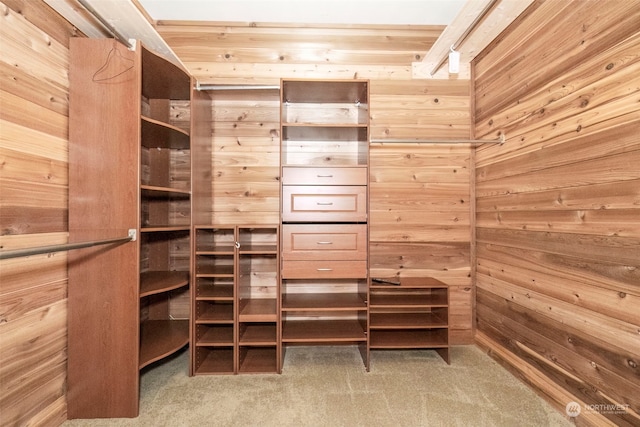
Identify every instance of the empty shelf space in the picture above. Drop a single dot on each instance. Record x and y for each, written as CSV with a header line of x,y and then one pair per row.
x,y
215,292
218,360
322,331
215,240
407,320
153,191
159,338
159,228
207,335
214,270
258,360
411,299
158,134
153,282
323,301
411,338
252,248
210,312
258,334
216,250
258,310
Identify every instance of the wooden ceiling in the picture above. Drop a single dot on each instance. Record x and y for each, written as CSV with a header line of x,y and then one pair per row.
x,y
476,24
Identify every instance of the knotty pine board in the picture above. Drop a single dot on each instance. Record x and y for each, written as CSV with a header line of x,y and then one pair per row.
x,y
584,291
557,235
582,42
33,152
575,372
212,51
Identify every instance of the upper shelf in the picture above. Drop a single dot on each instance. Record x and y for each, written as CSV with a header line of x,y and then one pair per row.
x,y
335,91
162,79
157,134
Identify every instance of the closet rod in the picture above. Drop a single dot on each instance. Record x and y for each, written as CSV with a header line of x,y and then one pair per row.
x,y
110,28
65,247
237,87
500,141
464,35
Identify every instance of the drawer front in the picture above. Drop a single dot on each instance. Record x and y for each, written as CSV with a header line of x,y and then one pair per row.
x,y
324,241
324,176
324,203
324,269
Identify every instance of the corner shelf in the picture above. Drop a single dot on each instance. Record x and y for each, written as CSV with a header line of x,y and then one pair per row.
x,y
153,282
159,134
132,169
160,338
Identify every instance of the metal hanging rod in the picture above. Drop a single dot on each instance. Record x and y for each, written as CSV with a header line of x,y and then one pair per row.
x,y
65,247
236,87
107,25
500,141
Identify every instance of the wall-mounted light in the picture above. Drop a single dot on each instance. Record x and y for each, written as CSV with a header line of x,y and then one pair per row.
x,y
454,61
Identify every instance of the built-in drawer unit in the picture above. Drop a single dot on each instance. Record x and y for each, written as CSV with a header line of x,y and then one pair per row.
x,y
324,176
324,269
324,241
324,203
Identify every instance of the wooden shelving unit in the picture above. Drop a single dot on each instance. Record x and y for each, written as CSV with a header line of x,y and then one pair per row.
x,y
258,305
236,276
130,169
214,300
165,208
324,212
410,314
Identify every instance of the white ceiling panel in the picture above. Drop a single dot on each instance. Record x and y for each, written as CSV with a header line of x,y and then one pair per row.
x,y
376,12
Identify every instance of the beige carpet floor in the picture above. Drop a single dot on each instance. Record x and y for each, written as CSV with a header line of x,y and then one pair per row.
x,y
328,386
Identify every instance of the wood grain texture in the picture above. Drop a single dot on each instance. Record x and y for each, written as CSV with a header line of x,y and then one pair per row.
x,y
103,203
245,157
419,194
557,230
420,217
34,192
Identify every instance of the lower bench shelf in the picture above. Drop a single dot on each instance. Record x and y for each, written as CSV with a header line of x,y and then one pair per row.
x,y
410,314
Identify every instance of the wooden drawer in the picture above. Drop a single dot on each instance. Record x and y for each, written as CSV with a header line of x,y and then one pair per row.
x,y
324,241
324,269
324,176
324,203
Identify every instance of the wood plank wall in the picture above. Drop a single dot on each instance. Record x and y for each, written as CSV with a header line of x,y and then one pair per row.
x,y
558,206
420,194
34,188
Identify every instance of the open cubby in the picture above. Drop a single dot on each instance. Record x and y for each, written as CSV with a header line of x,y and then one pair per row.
x,y
236,299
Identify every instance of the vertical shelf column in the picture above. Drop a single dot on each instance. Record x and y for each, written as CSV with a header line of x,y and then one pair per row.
x,y
165,209
324,213
258,305
214,296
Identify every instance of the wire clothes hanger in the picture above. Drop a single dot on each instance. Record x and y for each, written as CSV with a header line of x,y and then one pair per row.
x,y
114,66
